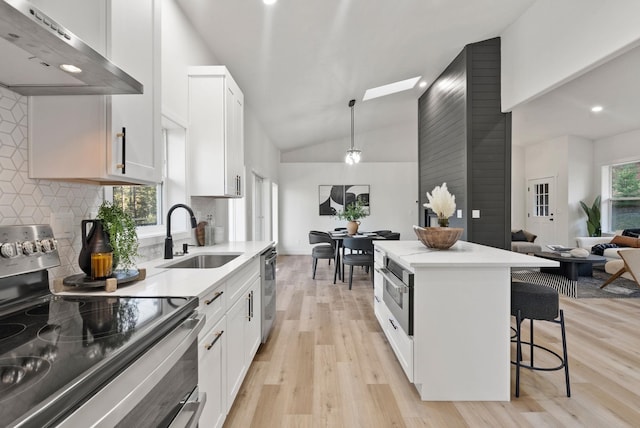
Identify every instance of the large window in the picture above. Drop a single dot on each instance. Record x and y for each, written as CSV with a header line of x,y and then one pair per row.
x,y
624,201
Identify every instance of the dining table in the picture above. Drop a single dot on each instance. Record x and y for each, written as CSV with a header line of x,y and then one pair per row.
x,y
338,236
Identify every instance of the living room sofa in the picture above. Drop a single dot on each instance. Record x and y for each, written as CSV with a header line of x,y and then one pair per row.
x,y
620,238
522,241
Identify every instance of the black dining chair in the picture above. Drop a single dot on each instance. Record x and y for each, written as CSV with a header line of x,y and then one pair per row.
x,y
324,248
363,258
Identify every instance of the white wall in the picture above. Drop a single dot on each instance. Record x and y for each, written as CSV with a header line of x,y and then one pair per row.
x,y
182,47
569,160
620,148
393,144
549,159
518,188
555,41
617,149
393,194
580,185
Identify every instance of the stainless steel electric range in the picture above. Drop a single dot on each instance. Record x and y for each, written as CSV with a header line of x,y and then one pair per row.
x,y
89,360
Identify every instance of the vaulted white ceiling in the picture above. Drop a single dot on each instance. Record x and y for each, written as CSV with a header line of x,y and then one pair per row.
x,y
566,110
299,62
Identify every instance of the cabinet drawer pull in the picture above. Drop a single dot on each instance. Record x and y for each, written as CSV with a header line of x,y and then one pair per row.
x,y
210,301
393,324
218,335
123,135
376,297
249,306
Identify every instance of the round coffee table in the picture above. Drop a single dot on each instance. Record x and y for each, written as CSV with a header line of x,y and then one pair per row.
x,y
571,267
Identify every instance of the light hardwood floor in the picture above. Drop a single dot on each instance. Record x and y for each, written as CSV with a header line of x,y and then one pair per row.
x,y
327,364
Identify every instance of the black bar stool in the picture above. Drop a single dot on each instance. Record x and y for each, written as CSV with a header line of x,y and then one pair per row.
x,y
537,302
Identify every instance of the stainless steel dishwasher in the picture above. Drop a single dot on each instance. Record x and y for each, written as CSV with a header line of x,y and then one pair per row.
x,y
268,286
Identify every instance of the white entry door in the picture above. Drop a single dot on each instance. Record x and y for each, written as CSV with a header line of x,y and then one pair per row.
x,y
541,209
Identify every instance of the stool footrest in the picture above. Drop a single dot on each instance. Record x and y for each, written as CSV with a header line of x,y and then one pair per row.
x,y
532,367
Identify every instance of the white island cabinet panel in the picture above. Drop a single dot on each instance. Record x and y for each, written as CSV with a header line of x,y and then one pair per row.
x,y
461,334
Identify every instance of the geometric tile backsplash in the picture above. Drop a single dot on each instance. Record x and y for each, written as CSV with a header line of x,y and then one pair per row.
x,y
31,201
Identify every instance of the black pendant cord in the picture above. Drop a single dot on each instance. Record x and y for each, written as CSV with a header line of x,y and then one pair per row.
x,y
352,103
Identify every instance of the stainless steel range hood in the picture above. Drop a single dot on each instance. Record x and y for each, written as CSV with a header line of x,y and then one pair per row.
x,y
33,47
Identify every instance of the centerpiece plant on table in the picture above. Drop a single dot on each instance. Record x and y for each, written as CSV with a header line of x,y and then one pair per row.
x,y
442,203
353,212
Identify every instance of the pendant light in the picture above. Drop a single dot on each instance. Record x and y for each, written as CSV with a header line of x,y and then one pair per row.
x,y
353,154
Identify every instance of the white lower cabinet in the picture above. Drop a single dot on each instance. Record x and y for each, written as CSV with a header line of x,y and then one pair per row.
x,y
212,375
229,341
400,342
244,338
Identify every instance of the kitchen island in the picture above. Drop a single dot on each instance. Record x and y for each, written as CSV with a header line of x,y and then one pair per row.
x,y
460,346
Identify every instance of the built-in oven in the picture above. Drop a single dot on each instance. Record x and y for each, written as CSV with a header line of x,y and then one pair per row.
x,y
397,293
90,361
268,286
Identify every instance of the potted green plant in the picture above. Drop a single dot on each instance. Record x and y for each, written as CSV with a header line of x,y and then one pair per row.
x,y
593,217
353,212
122,234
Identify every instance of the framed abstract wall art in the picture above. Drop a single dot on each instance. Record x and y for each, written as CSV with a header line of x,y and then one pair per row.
x,y
334,197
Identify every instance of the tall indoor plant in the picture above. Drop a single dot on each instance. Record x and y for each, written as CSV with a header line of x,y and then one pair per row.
x,y
353,212
122,234
593,217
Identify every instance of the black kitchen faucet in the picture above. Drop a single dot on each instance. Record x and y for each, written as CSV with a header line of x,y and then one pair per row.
x,y
168,241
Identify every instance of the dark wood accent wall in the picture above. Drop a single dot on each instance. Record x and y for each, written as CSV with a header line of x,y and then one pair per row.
x,y
465,140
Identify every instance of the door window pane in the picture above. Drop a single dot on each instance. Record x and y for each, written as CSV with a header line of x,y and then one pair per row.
x,y
542,200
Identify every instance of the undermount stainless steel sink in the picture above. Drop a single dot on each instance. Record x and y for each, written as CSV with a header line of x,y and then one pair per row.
x,y
202,261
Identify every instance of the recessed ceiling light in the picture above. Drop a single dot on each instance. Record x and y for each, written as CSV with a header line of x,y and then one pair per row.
x,y
269,1
423,84
391,88
70,68
596,109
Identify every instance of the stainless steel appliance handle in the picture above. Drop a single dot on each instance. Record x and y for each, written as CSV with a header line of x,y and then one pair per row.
x,y
271,259
395,282
113,406
189,414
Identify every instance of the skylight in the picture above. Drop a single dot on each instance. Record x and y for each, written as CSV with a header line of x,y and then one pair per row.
x,y
391,88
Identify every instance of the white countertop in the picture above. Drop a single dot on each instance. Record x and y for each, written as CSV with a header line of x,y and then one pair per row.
x,y
462,254
185,282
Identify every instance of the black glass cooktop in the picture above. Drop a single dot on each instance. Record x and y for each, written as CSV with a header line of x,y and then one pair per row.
x,y
65,347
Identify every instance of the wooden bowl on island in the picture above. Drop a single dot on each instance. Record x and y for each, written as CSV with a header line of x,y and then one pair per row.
x,y
440,238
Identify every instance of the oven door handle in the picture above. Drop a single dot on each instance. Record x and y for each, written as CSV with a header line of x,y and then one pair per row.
x,y
400,286
189,414
270,260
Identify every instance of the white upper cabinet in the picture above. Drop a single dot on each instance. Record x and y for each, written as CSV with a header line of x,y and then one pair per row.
x,y
105,139
215,133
